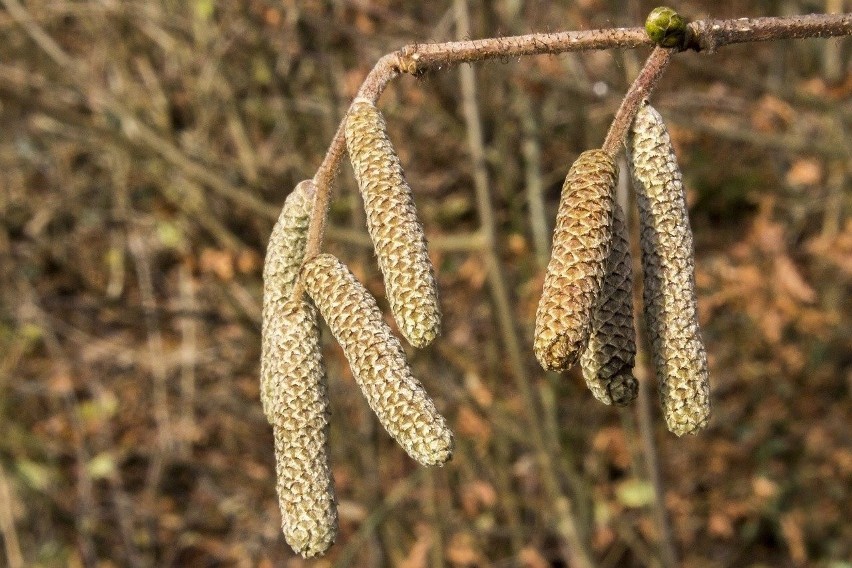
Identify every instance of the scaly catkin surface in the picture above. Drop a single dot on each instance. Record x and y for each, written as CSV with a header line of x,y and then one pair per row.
x,y
299,415
668,266
608,359
377,361
293,387
393,225
575,273
280,269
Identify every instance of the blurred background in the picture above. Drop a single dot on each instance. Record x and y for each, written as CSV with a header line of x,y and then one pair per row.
x,y
145,151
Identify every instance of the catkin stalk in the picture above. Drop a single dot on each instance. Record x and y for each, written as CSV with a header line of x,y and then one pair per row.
x,y
575,273
608,359
668,265
293,387
393,225
377,361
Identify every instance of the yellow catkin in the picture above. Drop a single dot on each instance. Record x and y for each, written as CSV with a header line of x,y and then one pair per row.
x,y
575,273
393,225
377,361
669,279
293,387
608,359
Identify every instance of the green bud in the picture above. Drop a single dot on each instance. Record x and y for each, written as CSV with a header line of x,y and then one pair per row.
x,y
666,27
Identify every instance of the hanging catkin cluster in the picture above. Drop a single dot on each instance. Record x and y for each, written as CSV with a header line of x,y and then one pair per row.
x,y
293,382
608,359
293,387
377,361
577,267
393,225
668,266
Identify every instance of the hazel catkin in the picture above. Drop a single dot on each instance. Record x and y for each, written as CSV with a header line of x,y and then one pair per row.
x,y
377,361
299,415
668,264
393,225
281,266
607,362
575,274
293,387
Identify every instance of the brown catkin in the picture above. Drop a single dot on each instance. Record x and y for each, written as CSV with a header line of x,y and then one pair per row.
x,y
668,264
608,359
575,273
377,361
393,225
293,387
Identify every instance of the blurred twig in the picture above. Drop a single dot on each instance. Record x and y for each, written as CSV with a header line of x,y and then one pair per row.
x,y
14,558
395,496
577,551
188,350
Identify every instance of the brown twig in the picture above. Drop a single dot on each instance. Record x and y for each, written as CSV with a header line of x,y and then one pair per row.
x,y
710,35
641,89
14,558
707,35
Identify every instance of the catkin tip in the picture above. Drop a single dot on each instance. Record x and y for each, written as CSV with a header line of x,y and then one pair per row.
x,y
623,389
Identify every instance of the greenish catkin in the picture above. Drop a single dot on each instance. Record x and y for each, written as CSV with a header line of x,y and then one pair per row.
x,y
293,387
393,225
607,362
575,274
377,361
284,255
668,264
299,416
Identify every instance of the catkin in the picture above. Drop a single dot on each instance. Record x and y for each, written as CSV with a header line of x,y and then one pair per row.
x,y
608,359
284,255
575,274
299,416
293,387
377,361
668,266
393,225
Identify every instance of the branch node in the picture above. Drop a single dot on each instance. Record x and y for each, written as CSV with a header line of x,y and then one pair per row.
x,y
408,60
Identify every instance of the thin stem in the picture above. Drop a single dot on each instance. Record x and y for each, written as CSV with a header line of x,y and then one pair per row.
x,y
418,58
668,551
14,558
641,89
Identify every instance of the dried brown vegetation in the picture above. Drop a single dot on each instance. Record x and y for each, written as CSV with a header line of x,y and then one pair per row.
x,y
144,157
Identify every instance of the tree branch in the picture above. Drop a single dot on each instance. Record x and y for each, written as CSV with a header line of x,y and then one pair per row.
x,y
639,90
709,35
414,59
